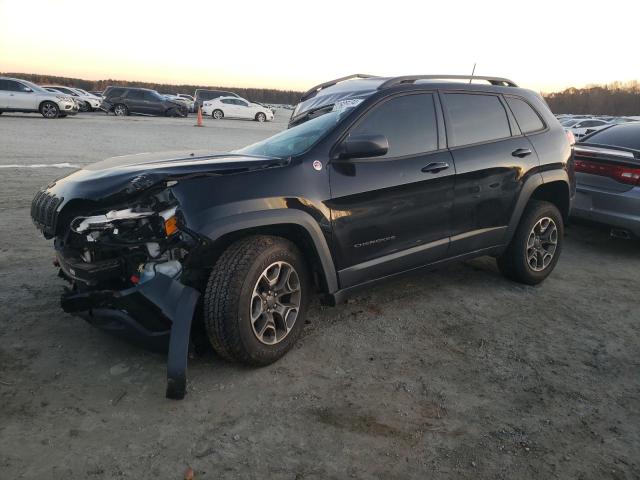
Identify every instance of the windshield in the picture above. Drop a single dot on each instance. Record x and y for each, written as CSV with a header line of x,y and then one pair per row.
x,y
569,123
295,140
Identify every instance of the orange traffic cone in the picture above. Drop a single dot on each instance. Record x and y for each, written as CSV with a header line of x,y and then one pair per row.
x,y
199,118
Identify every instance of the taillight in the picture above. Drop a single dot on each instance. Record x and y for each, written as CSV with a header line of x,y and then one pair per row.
x,y
628,175
571,137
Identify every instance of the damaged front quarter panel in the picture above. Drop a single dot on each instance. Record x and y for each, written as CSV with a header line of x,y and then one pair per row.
x,y
122,243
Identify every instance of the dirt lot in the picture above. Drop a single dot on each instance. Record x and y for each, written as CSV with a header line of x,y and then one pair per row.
x,y
450,374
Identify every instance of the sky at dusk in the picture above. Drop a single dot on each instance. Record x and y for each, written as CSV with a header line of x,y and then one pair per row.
x,y
543,45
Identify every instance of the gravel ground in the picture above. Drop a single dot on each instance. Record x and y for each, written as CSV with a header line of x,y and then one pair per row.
x,y
454,374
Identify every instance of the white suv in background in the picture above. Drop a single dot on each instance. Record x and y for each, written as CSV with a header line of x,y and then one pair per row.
x,y
236,107
22,96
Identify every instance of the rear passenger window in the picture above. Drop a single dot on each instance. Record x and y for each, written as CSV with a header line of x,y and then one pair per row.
x,y
116,92
475,118
408,122
135,95
528,120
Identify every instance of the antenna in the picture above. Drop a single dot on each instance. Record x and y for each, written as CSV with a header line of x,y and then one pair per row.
x,y
473,71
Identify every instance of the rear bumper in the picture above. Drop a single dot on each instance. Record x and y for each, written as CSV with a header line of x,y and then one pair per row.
x,y
157,314
618,209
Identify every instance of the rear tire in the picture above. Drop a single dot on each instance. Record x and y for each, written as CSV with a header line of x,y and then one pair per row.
x,y
85,107
120,110
247,318
49,110
536,245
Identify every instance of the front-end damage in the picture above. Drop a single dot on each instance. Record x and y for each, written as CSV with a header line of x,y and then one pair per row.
x,y
125,265
129,238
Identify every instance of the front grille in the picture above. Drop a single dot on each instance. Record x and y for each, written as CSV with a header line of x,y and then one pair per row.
x,y
43,212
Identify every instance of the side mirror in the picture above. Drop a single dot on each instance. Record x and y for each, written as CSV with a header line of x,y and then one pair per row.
x,y
363,146
26,90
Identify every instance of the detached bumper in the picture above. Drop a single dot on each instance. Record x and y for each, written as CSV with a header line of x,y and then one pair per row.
x,y
157,313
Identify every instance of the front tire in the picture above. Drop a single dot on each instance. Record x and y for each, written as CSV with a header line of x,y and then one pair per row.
x,y
49,110
85,107
261,117
536,245
217,114
256,299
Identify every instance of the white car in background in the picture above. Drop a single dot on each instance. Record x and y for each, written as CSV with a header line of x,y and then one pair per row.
x,y
236,107
22,96
86,101
582,127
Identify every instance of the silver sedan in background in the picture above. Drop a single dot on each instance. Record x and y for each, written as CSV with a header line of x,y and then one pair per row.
x,y
607,165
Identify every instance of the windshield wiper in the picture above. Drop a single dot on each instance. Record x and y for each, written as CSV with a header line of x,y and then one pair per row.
x,y
309,114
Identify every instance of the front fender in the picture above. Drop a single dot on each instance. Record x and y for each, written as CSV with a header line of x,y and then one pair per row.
x,y
280,216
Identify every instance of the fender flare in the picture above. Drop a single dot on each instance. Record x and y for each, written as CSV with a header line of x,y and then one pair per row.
x,y
530,186
243,221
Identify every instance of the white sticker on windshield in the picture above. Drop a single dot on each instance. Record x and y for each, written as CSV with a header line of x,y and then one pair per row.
x,y
344,104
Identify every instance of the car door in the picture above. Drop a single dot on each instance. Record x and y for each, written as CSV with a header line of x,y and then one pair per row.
x,y
20,96
135,101
393,212
493,159
243,109
153,103
229,107
4,93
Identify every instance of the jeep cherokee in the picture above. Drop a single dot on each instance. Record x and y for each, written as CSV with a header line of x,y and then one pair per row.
x,y
375,177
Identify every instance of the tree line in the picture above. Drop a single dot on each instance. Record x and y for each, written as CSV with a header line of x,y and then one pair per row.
x,y
617,99
264,95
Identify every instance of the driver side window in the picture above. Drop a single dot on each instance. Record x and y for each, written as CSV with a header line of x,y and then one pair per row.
x,y
408,122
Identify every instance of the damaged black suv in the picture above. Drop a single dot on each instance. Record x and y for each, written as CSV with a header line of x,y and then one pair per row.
x,y
375,177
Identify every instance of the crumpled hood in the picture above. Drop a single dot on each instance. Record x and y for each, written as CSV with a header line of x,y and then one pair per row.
x,y
116,178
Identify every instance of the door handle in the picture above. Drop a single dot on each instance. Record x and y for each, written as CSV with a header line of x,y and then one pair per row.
x,y
435,167
521,152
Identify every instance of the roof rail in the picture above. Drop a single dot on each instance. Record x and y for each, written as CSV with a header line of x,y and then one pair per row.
x,y
505,82
330,83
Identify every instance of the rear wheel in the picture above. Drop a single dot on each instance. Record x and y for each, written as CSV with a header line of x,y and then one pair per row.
x,y
85,107
121,110
255,300
535,248
49,110
217,114
261,117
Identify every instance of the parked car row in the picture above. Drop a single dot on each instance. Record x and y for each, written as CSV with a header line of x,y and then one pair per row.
x,y
57,101
581,125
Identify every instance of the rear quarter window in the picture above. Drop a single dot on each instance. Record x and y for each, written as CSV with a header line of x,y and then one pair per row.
x,y
475,118
115,92
528,120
